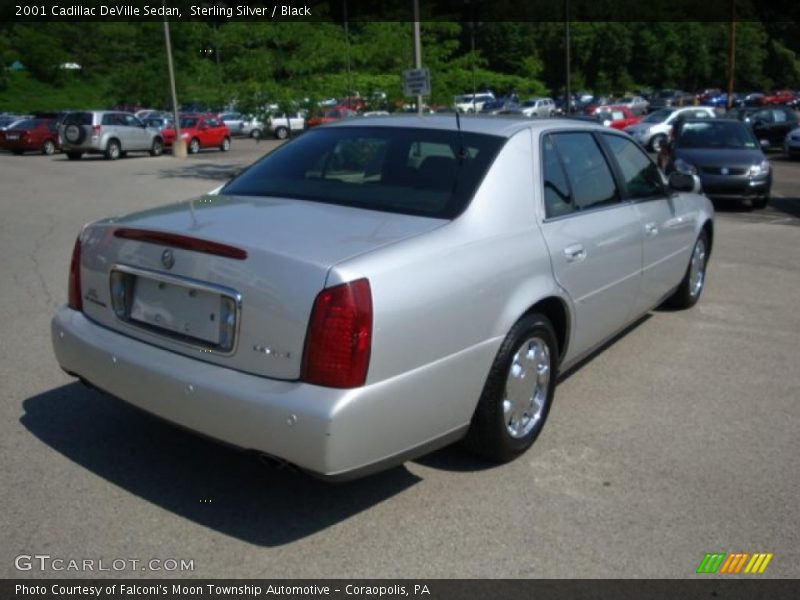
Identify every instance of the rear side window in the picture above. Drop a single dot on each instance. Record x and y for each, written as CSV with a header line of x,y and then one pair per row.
x,y
392,169
78,118
557,197
588,172
640,174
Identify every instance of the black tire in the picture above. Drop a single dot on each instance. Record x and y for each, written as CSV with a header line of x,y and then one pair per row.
x,y
688,292
194,146
158,147
225,145
256,134
281,133
49,147
74,155
113,150
489,432
657,143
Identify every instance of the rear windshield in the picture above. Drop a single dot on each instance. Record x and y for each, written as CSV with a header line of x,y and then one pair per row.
x,y
716,134
404,170
78,118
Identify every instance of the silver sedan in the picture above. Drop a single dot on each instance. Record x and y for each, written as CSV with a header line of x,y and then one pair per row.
x,y
376,289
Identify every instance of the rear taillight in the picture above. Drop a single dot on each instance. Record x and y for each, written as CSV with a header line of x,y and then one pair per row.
x,y
74,296
96,129
339,336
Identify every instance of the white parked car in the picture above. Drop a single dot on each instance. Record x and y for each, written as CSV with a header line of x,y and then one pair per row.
x,y
636,104
472,103
378,288
654,130
280,124
791,144
538,107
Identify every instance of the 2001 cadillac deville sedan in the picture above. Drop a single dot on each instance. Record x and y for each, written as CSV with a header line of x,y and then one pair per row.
x,y
374,290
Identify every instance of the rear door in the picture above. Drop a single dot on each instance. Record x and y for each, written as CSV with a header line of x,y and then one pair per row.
x,y
593,236
667,231
136,136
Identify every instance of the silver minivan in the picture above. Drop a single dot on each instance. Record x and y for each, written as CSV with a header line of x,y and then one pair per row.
x,y
107,132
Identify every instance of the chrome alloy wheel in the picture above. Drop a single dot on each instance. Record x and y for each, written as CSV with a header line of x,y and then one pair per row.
x,y
527,384
697,269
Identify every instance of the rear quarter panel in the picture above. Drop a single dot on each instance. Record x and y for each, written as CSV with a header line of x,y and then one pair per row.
x,y
443,302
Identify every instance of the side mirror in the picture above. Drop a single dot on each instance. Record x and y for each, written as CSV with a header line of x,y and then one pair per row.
x,y
683,182
764,144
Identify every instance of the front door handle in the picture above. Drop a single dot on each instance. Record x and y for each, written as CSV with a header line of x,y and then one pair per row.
x,y
575,253
650,229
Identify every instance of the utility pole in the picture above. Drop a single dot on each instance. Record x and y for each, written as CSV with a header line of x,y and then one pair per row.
x,y
417,50
568,99
731,57
179,144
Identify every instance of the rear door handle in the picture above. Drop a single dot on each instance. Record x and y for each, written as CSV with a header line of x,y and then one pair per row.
x,y
575,253
650,229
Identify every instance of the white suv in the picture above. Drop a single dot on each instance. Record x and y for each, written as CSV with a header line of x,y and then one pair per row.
x,y
538,107
653,131
472,103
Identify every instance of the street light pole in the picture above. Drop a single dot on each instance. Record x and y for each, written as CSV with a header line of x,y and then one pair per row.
x,y
568,99
417,50
731,57
178,145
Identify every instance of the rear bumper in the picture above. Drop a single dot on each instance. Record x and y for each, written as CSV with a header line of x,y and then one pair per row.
x,y
336,434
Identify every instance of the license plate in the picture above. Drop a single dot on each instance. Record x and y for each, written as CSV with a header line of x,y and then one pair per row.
x,y
184,310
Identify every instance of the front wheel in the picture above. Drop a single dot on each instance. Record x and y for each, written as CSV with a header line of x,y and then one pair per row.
x,y
281,133
49,147
158,147
693,282
256,134
225,145
194,146
518,392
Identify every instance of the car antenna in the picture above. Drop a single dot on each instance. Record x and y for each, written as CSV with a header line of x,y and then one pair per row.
x,y
461,151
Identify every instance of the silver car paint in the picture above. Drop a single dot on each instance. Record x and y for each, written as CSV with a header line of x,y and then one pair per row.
x,y
445,295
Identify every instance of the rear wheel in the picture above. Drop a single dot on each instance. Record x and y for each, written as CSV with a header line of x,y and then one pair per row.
x,y
225,145
256,133
518,392
194,146
657,143
281,133
113,151
74,155
49,147
688,292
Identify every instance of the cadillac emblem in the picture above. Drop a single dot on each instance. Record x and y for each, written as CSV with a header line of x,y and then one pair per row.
x,y
167,258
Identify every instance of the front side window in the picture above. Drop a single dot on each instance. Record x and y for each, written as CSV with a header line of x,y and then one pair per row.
x,y
587,170
405,170
640,174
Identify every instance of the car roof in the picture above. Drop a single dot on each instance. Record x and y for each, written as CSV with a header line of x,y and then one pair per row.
x,y
498,125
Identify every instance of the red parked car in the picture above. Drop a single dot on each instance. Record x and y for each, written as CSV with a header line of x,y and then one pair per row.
x,y
616,116
329,115
779,97
31,135
205,131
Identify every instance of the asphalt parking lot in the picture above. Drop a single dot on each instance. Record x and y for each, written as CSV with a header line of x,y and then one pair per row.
x,y
680,438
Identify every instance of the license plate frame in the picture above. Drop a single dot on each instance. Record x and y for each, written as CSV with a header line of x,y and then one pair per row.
x,y
189,311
